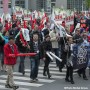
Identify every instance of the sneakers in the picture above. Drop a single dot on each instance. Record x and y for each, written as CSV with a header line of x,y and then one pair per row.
x,y
8,86
36,79
14,87
33,80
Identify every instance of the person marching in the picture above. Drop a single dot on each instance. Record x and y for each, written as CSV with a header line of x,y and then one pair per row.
x,y
55,45
46,47
10,61
23,48
69,64
35,60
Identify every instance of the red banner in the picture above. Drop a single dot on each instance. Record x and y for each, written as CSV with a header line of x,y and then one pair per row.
x,y
23,54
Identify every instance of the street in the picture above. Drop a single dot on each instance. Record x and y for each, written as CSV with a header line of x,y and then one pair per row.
x,y
56,82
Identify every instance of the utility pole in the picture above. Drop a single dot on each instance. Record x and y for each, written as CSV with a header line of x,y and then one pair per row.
x,y
26,4
82,6
12,7
48,6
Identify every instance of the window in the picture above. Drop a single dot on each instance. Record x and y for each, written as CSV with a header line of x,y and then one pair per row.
x,y
53,0
1,2
23,6
53,4
17,2
9,6
22,2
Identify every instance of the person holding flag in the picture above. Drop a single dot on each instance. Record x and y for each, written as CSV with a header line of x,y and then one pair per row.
x,y
10,61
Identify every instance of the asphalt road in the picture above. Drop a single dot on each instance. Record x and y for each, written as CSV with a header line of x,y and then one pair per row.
x,y
57,81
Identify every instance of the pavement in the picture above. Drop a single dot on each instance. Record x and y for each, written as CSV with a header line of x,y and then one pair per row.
x,y
57,81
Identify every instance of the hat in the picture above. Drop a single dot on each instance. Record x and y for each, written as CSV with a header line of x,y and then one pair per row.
x,y
11,38
11,32
47,36
14,25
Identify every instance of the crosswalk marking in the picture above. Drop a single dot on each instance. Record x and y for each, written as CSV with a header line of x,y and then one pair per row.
x,y
3,87
52,65
23,83
41,76
56,69
41,71
27,79
52,72
51,68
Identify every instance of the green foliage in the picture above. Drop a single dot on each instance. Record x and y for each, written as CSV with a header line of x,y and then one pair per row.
x,y
87,3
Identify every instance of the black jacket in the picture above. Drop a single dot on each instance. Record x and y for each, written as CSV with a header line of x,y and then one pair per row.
x,y
2,42
31,44
46,46
21,48
77,38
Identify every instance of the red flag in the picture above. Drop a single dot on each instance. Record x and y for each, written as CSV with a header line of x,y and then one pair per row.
x,y
6,26
25,24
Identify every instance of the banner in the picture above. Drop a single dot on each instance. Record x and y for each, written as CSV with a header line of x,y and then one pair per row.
x,y
81,55
27,17
18,11
23,54
52,56
25,33
56,57
49,56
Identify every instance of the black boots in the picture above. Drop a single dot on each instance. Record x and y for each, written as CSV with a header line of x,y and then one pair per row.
x,y
67,80
44,72
79,74
23,73
49,76
72,82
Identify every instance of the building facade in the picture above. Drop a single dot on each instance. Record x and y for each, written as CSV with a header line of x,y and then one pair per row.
x,y
78,5
46,5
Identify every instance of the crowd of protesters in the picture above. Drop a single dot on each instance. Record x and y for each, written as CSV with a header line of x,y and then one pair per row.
x,y
41,41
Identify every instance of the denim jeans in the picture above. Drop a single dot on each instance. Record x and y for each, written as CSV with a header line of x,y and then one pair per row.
x,y
34,66
21,65
2,58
